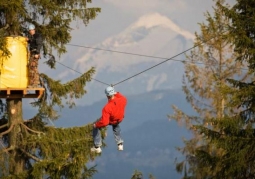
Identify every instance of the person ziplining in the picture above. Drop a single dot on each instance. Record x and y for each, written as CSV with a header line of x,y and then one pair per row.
x,y
112,114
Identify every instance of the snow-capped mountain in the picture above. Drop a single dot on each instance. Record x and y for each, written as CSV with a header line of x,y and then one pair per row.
x,y
151,35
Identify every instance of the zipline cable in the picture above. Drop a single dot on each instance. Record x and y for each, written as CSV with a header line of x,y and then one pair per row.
x,y
148,56
137,74
141,55
164,61
81,73
115,51
153,66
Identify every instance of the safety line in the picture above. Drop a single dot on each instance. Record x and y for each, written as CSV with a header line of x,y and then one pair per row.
x,y
115,51
165,61
81,73
141,55
153,66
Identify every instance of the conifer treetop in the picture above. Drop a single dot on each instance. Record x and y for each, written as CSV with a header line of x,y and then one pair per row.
x,y
52,18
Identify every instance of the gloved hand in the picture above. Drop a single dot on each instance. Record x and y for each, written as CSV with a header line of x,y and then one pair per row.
x,y
37,56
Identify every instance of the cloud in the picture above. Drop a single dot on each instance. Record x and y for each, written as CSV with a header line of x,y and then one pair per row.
x,y
145,6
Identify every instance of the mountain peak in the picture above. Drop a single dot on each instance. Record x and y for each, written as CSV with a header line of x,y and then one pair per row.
x,y
156,19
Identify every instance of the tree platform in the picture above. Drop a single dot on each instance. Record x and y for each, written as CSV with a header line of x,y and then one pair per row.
x,y
14,93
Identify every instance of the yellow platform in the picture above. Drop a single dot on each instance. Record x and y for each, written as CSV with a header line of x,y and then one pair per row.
x,y
14,93
14,71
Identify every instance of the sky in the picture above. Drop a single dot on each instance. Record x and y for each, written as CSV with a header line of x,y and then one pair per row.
x,y
115,19
115,16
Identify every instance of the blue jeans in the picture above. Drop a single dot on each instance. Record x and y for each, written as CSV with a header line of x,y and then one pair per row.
x,y
98,139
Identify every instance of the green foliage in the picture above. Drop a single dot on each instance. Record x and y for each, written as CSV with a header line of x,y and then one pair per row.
x,y
137,175
56,152
234,134
64,151
151,176
30,148
242,16
58,92
235,144
210,94
52,18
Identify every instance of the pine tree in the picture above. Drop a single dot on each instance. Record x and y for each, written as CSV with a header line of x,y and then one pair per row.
x,y
210,66
235,132
242,28
137,175
30,148
151,176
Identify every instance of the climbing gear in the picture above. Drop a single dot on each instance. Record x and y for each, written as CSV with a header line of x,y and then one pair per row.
x,y
109,91
31,27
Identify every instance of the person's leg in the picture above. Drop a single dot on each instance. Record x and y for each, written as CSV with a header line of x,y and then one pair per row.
x,y
97,137
117,134
37,80
97,141
32,71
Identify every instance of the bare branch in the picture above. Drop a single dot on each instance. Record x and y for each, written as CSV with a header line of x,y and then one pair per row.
x,y
30,155
7,131
3,126
37,132
6,149
5,27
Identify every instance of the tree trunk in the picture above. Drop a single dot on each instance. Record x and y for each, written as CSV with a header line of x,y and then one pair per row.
x,y
14,108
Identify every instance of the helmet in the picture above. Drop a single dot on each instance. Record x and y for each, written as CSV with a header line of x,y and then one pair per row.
x,y
31,27
109,91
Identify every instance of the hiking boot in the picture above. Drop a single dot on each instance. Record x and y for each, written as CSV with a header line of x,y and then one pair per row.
x,y
98,150
120,147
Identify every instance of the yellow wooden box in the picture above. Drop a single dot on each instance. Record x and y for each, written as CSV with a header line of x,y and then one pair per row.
x,y
13,69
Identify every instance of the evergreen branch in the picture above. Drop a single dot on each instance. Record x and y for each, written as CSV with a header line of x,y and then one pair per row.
x,y
31,129
6,132
69,91
3,126
31,156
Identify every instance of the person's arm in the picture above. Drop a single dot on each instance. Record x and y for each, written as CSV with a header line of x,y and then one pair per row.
x,y
39,42
104,121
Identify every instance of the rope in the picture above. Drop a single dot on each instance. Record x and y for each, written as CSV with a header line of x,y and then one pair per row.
x,y
165,60
152,67
149,56
81,74
128,53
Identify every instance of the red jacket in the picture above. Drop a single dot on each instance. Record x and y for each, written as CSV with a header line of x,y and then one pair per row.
x,y
113,112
